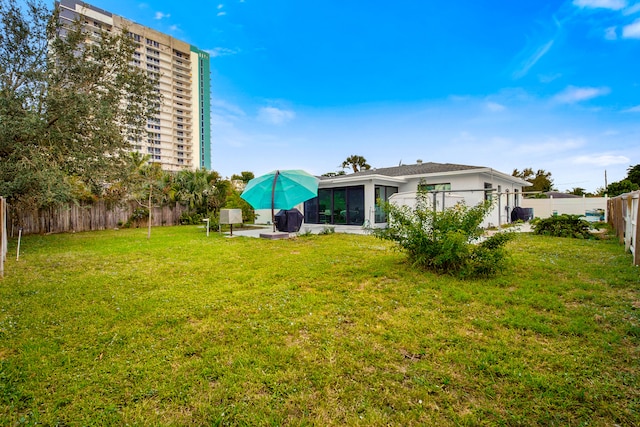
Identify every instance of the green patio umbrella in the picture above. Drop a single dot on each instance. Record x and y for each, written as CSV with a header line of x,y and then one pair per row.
x,y
280,189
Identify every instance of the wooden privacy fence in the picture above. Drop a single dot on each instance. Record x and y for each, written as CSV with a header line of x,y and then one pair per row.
x,y
3,234
623,216
89,217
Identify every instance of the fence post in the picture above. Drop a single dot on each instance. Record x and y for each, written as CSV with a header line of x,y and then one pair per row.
x,y
3,235
636,231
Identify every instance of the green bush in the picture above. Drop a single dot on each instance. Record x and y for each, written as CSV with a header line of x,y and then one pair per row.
x,y
445,241
563,226
190,218
137,217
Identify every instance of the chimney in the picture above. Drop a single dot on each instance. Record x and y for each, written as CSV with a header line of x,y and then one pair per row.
x,y
419,161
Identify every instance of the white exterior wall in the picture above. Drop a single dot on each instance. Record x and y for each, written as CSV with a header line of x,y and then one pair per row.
x,y
504,201
466,185
544,208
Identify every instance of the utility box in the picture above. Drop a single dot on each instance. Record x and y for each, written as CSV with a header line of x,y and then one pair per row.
x,y
230,216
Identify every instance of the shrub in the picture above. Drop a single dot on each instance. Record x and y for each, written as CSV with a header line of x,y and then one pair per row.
x,y
444,241
563,226
327,230
137,216
190,218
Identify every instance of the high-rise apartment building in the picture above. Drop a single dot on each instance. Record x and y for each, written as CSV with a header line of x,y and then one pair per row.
x,y
179,136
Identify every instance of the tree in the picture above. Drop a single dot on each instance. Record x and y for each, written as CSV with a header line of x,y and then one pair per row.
x,y
245,176
332,174
620,187
540,181
633,174
355,162
68,105
577,191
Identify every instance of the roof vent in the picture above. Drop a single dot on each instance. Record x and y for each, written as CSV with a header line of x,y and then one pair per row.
x,y
419,161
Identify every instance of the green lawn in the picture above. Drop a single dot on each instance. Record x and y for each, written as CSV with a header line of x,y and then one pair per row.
x,y
107,328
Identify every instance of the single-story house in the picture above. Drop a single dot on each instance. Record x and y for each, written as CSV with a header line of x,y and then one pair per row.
x,y
354,199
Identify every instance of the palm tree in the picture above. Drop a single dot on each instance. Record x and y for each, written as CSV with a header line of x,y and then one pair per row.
x,y
357,163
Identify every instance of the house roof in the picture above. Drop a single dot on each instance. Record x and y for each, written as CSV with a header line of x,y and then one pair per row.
x,y
559,195
417,169
403,172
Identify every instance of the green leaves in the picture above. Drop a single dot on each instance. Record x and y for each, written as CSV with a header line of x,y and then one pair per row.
x,y
563,226
68,102
443,241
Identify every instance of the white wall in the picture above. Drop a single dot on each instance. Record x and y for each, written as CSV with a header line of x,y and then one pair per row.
x,y
504,201
544,208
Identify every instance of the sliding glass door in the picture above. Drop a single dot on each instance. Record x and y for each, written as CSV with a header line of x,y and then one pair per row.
x,y
344,205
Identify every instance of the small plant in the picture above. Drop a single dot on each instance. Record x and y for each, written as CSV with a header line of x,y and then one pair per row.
x,y
443,241
306,233
563,226
136,217
327,230
190,218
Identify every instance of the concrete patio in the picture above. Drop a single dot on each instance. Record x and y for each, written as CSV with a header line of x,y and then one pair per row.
x,y
311,228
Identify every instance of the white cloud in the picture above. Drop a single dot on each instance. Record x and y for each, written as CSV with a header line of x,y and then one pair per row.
x,y
221,13
494,107
573,94
219,104
601,4
632,10
610,33
160,15
174,28
220,6
601,160
632,31
548,78
275,116
552,145
635,109
221,51
532,60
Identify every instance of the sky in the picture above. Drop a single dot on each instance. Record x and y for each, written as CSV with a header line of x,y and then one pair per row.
x,y
508,84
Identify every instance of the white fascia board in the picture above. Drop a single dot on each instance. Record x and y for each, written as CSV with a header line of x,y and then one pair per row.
x,y
348,180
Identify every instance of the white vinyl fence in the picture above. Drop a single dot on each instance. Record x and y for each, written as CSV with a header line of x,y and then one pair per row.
x,y
623,217
544,208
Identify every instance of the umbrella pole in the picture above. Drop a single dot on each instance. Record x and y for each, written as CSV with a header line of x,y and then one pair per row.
x,y
273,200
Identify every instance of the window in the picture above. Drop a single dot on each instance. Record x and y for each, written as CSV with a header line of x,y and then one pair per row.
x,y
435,187
488,193
343,205
381,195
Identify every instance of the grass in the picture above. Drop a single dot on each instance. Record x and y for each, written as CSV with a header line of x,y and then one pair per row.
x,y
107,328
